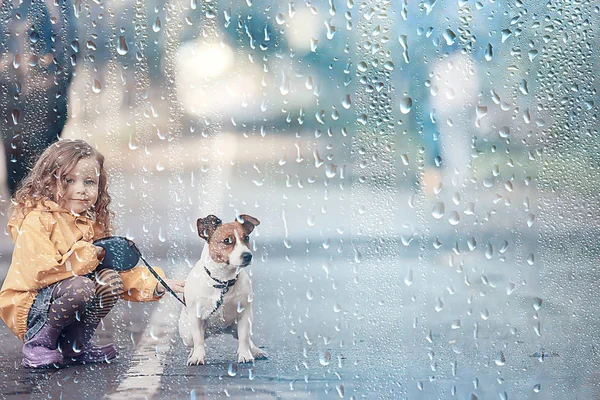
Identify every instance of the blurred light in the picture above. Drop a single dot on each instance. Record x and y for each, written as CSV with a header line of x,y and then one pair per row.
x,y
302,28
204,60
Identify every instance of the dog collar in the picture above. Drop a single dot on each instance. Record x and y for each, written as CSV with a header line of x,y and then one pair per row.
x,y
223,285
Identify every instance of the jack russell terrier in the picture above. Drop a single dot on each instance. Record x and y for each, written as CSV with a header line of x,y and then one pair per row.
x,y
218,292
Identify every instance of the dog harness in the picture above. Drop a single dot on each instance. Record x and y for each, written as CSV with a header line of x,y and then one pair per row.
x,y
223,285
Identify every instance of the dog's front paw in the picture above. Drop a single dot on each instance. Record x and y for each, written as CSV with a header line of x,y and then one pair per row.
x,y
259,353
197,356
245,356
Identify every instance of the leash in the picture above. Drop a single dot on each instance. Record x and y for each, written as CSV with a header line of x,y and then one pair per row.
x,y
153,272
223,285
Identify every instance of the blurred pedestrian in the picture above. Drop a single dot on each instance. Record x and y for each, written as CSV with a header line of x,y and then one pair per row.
x,y
38,52
53,298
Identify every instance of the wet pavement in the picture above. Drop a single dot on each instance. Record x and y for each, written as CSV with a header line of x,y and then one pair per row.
x,y
406,313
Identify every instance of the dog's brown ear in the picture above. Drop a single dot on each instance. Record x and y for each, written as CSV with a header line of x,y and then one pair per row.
x,y
207,226
248,222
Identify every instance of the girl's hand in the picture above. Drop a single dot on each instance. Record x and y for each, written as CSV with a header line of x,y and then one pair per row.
x,y
101,253
177,285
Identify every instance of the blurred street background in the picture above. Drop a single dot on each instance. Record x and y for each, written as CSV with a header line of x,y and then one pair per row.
x,y
425,174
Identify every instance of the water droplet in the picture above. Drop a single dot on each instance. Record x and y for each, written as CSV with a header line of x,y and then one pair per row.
x,y
454,218
320,116
485,314
404,158
537,387
472,243
357,256
15,115
506,33
284,88
310,294
489,251
405,105
408,280
337,308
532,54
96,86
500,359
449,36
314,43
330,170
537,303
480,112
280,19
530,259
157,25
34,37
16,61
456,324
489,52
347,102
406,239
510,288
504,132
324,358
132,145
439,304
122,48
388,65
438,210
232,369
330,29
523,87
429,4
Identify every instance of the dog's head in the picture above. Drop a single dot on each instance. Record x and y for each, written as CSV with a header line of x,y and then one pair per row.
x,y
228,243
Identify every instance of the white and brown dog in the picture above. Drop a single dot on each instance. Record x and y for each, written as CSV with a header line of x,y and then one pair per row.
x,y
218,292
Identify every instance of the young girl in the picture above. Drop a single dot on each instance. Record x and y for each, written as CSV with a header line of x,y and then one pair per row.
x,y
52,298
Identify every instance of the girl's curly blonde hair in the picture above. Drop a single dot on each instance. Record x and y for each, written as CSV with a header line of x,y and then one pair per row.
x,y
47,179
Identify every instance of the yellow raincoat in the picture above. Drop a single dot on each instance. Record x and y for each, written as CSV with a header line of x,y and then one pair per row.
x,y
52,244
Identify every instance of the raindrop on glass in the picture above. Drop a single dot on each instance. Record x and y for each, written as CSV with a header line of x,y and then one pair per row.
x,y
449,37
122,48
156,26
96,86
405,105
438,210
347,102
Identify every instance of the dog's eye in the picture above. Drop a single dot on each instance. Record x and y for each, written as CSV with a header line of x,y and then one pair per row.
x,y
227,241
246,238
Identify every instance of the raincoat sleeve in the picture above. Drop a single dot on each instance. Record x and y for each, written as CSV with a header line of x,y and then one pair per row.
x,y
40,263
139,284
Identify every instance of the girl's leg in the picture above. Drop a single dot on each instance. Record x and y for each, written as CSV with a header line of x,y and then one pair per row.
x,y
70,299
109,289
76,341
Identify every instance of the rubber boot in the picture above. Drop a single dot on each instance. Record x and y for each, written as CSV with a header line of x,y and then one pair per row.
x,y
77,348
41,350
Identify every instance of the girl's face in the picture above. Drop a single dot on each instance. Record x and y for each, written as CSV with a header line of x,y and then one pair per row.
x,y
80,186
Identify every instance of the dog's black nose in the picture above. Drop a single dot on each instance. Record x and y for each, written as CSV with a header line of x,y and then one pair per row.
x,y
247,257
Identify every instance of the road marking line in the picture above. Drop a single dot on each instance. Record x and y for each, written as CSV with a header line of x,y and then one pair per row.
x,y
142,379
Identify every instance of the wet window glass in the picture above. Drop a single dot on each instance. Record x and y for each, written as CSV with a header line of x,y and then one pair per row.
x,y
417,181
